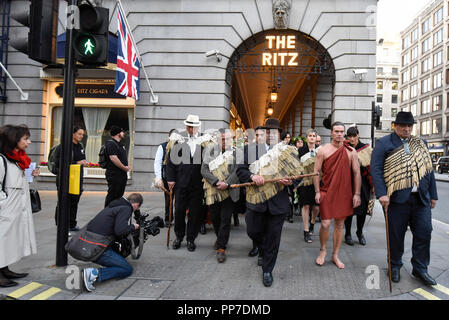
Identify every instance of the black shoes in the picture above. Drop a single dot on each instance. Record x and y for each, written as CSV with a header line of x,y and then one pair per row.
x,y
74,229
424,277
177,244
6,283
267,279
307,237
395,275
254,252
348,240
221,256
8,274
203,229
191,246
362,240
311,226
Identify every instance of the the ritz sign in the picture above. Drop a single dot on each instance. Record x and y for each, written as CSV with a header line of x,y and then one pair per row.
x,y
280,58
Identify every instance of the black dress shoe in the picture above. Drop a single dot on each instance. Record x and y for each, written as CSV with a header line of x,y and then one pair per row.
x,y
362,240
191,246
424,277
5,283
203,229
348,240
254,252
12,275
395,275
177,244
267,279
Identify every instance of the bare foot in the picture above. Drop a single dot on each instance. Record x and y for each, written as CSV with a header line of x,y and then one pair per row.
x,y
337,262
320,260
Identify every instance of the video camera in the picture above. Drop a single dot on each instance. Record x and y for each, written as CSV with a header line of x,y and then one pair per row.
x,y
127,245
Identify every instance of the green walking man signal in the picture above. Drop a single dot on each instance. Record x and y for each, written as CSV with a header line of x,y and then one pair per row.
x,y
88,48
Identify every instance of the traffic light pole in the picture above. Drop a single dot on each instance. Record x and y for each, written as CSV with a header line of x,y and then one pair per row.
x,y
66,143
373,119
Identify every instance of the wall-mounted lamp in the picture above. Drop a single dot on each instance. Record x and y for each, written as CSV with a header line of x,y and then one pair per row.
x,y
274,96
270,110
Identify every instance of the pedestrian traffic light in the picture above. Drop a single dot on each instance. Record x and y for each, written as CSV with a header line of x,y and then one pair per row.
x,y
41,17
377,115
90,42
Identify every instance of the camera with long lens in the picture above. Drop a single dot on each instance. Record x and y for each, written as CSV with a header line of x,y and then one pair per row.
x,y
134,241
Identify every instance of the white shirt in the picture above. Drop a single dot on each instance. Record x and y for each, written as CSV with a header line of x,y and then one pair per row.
x,y
158,162
192,144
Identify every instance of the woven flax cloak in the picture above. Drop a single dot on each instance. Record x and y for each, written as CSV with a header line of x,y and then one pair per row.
x,y
405,168
308,163
279,162
219,167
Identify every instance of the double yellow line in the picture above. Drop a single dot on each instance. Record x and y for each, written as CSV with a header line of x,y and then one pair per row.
x,y
430,296
44,295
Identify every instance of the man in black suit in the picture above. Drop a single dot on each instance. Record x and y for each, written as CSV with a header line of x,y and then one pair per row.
x,y
408,204
265,220
184,176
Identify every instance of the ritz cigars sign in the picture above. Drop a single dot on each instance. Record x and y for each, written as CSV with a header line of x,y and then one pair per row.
x,y
282,56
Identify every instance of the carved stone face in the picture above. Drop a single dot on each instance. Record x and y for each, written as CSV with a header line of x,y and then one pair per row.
x,y
281,10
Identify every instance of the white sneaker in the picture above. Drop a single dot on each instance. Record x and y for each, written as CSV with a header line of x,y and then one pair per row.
x,y
90,275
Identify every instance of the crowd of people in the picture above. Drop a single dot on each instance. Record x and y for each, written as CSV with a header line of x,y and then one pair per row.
x,y
216,175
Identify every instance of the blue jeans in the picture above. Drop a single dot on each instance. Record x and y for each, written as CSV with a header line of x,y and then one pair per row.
x,y
116,266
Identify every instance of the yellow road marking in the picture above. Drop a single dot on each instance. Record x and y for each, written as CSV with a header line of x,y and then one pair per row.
x,y
23,291
46,294
442,289
426,294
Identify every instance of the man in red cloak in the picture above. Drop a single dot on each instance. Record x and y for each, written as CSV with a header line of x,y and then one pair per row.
x,y
339,192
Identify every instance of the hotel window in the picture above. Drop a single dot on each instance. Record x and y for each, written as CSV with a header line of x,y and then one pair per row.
x,y
394,71
425,106
414,53
380,85
426,45
405,59
438,16
406,42
405,76
404,94
414,73
425,127
394,85
380,98
426,25
394,98
413,91
436,103
415,34
437,59
394,112
380,70
413,109
436,126
426,64
438,80
425,85
438,37
97,122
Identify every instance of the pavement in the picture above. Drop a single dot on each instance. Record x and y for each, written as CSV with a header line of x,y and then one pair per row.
x,y
166,274
442,177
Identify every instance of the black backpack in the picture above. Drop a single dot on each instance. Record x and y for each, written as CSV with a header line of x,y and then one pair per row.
x,y
51,164
103,158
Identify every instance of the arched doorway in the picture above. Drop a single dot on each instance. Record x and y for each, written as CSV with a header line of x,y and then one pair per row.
x,y
286,71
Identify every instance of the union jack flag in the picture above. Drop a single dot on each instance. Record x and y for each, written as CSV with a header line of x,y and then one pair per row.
x,y
127,74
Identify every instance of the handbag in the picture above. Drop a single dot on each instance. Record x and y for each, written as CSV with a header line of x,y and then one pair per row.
x,y
88,246
35,201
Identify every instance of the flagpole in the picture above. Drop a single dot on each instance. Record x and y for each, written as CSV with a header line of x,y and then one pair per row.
x,y
154,98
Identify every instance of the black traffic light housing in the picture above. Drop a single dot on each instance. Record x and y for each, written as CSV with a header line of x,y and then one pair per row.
x,y
90,42
41,17
327,122
377,115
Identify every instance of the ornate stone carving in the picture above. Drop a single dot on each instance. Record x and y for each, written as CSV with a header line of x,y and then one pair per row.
x,y
281,14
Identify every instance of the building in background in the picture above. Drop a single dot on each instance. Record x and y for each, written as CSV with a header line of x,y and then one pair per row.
x,y
387,83
424,78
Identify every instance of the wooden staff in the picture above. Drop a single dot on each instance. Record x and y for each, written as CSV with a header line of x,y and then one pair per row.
x,y
247,184
170,216
388,246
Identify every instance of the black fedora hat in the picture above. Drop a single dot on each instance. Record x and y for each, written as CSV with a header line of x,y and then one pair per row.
x,y
272,123
404,117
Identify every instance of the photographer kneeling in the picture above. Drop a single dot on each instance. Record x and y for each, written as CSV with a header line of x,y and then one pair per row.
x,y
113,221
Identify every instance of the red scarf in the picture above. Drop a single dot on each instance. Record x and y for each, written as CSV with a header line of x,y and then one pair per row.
x,y
20,157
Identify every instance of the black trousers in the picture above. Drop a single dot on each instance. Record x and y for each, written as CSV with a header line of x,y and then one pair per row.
x,y
116,185
221,214
360,223
419,217
192,199
73,210
265,230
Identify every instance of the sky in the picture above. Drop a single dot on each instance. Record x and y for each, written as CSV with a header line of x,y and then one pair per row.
x,y
395,15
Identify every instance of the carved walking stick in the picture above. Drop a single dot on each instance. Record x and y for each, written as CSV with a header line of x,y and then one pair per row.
x,y
388,246
170,217
247,184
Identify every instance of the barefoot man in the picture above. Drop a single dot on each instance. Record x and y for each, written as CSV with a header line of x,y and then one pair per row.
x,y
340,187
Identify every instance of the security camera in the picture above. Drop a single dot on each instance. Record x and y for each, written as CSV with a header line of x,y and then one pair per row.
x,y
360,71
213,52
